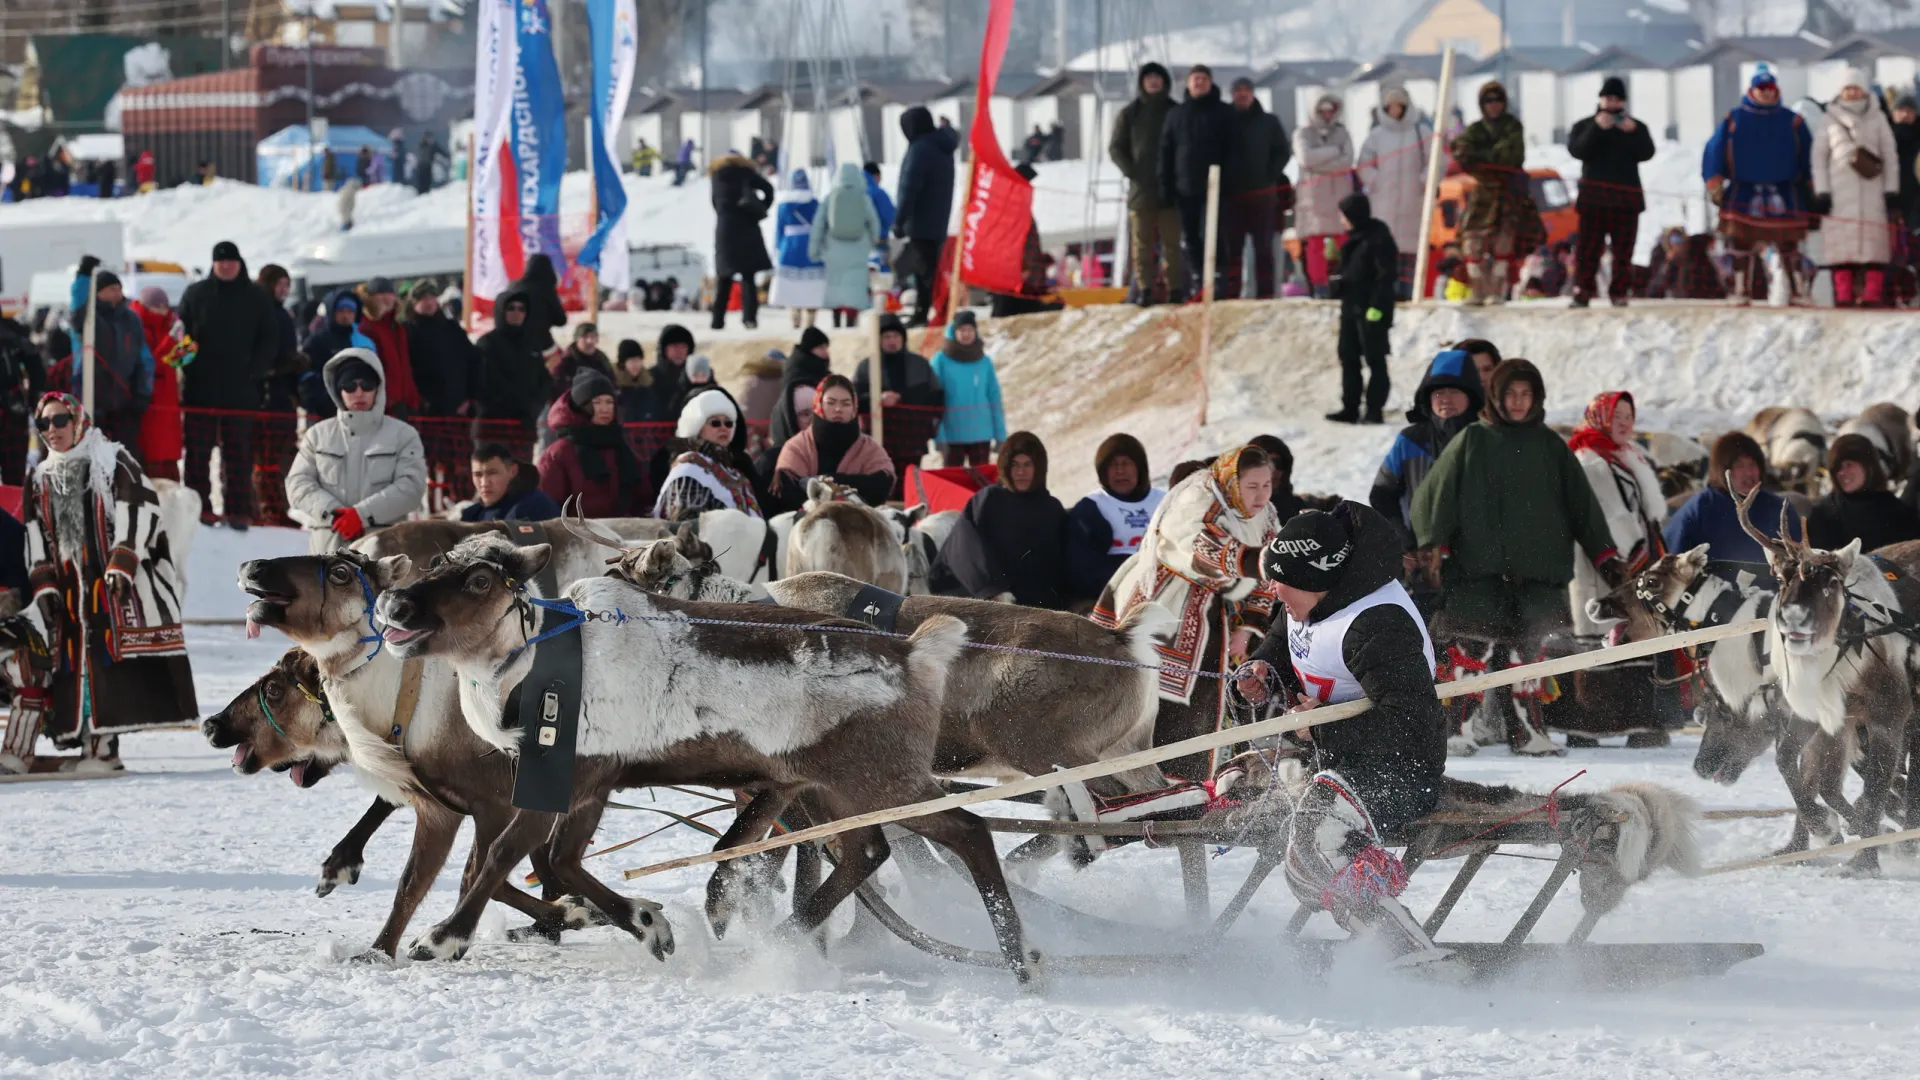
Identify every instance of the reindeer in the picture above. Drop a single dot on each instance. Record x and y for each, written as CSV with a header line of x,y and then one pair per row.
x,y
283,722
1846,661
1888,428
324,603
785,708
1796,444
838,533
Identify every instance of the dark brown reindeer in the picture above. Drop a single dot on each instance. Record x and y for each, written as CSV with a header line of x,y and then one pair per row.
x,y
782,710
1841,642
440,767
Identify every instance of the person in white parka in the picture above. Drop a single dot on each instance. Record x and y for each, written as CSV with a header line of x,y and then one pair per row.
x,y
1325,152
359,469
1393,172
1856,188
1627,488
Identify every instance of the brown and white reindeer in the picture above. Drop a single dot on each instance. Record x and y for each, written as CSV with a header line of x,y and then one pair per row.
x,y
436,764
792,706
1796,444
1840,634
283,723
841,535
1888,427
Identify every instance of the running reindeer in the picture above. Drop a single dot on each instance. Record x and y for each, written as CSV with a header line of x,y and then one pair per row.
x,y
1844,650
780,709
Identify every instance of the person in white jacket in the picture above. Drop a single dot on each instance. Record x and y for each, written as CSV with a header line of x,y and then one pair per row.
x,y
1856,187
1628,490
1325,152
360,469
1393,172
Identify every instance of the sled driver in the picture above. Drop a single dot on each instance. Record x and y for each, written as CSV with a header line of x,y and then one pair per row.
x,y
1352,631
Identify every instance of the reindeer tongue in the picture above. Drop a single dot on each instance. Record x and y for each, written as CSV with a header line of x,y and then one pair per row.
x,y
298,774
253,629
240,754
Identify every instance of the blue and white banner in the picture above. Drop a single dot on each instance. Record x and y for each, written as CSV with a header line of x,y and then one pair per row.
x,y
491,219
539,135
614,44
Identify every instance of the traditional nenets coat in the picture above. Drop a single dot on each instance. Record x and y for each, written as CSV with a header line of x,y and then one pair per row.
x,y
799,277
104,595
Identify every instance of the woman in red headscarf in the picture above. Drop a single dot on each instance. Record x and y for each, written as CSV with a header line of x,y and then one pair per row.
x,y
1628,490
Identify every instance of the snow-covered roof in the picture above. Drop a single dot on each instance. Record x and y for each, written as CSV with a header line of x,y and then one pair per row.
x,y
329,10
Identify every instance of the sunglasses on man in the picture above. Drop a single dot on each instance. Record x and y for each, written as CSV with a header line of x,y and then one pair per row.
x,y
56,422
359,386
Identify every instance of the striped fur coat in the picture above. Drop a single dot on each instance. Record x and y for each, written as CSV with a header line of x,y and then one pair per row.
x,y
104,595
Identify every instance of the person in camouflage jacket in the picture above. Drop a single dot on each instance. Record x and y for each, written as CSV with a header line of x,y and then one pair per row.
x,y
1501,223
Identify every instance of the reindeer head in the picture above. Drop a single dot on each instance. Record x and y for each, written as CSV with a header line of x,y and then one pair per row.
x,y
281,723
1813,584
1732,740
320,601
661,568
821,491
468,605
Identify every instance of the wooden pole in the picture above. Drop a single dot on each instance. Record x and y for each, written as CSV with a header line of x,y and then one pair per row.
x,y
466,271
1299,721
954,283
1436,158
593,222
86,342
876,372
1212,255
1814,853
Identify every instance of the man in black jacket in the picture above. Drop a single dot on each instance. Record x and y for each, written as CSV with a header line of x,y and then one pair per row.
x,y
923,202
1610,145
232,324
1197,134
1249,191
905,379
1366,287
1151,217
446,365
1906,142
1352,631
514,377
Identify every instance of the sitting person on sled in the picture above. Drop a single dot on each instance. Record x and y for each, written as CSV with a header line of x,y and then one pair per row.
x,y
1351,631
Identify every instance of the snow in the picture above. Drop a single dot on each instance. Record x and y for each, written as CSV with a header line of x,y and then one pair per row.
x,y
165,925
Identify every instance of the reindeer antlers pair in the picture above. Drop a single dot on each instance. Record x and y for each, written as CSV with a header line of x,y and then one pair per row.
x,y
1783,546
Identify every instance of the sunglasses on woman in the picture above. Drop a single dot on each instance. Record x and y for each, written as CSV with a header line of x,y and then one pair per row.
x,y
56,422
720,423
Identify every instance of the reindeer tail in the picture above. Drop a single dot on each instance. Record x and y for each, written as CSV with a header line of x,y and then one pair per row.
x,y
1658,831
935,646
1145,626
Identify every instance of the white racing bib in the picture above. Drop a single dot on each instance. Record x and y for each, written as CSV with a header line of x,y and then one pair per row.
x,y
1127,520
1318,649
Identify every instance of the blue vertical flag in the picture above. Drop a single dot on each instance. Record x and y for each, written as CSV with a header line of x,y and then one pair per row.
x,y
539,134
610,25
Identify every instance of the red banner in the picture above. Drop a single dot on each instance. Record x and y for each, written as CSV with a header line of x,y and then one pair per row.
x,y
999,210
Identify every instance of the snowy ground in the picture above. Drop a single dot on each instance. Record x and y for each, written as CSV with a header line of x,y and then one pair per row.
x,y
165,925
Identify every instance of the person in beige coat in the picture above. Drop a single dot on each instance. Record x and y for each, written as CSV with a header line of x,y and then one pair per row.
x,y
1856,188
1325,152
1393,172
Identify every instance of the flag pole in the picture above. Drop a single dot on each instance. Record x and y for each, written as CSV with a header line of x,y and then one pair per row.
x,y
1435,164
1206,281
466,271
86,342
593,224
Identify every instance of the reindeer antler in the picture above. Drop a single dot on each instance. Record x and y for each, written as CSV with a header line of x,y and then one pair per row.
x,y
572,521
1742,503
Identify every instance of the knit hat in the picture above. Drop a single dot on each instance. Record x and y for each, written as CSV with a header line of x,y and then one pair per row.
x,y
699,368
1857,448
1310,553
675,334
1906,101
154,298
1763,76
379,286
892,322
628,348
812,338
694,414
226,249
587,385
105,278
1357,208
1614,86
966,318
346,299
1241,82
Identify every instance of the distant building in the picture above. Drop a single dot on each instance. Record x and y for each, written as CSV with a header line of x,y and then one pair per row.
x,y
1473,27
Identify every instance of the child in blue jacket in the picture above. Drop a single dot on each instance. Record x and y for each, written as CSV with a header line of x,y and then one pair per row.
x,y
974,419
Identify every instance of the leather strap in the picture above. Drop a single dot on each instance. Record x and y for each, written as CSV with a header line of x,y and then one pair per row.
x,y
547,701
408,701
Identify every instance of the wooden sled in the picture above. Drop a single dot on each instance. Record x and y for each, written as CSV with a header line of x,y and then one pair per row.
x,y
1472,836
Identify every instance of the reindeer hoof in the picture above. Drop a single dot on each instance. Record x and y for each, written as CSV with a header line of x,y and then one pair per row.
x,y
371,958
436,944
1864,865
333,875
652,930
535,932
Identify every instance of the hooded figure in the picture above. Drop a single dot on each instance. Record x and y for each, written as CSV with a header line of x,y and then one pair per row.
x,y
1134,149
704,475
1426,435
908,374
358,471
799,280
1857,187
1861,506
540,284
804,370
1711,517
1324,149
103,596
588,459
844,234
1010,538
513,366
1393,167
923,203
1366,286
1501,222
1361,636
1105,528
1628,490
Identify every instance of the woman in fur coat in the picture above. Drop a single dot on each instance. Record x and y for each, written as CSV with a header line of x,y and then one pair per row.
x,y
103,598
1628,490
705,475
1324,150
1393,172
1856,186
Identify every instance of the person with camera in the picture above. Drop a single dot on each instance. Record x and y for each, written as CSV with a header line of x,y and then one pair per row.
x,y
1610,144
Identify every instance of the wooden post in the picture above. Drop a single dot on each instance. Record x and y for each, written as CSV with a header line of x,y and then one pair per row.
x,y
875,369
1212,255
1435,167
86,343
593,222
954,284
466,271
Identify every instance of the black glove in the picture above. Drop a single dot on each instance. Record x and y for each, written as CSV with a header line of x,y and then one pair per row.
x,y
1893,204
1822,204
88,263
